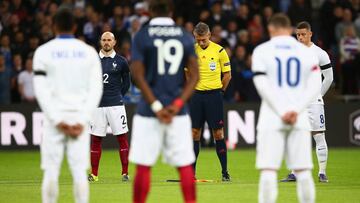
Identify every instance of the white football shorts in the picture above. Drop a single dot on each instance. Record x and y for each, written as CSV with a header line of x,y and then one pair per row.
x,y
316,117
150,137
115,116
54,144
273,145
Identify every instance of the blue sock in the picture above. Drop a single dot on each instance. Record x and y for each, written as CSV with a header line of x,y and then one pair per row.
x,y
222,154
196,151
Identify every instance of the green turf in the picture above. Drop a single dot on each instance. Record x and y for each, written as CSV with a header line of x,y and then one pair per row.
x,y
20,179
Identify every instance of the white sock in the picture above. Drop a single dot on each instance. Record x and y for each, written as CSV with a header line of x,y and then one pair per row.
x,y
81,186
321,151
50,186
268,189
305,187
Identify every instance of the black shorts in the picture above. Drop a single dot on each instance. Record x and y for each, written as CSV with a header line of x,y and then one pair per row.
x,y
207,106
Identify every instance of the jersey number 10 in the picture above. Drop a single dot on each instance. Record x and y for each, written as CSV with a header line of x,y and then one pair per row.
x,y
292,78
165,54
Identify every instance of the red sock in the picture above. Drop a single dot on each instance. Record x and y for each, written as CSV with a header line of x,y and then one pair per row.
x,y
187,183
95,153
141,184
123,152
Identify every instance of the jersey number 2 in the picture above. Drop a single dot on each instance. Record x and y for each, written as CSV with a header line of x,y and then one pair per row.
x,y
292,78
170,51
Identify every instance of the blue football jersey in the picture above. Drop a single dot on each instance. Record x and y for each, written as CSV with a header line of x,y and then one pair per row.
x,y
116,79
164,50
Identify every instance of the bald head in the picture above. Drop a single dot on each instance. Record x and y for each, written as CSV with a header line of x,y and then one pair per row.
x,y
107,43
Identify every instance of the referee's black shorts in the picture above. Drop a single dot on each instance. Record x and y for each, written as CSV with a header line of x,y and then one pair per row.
x,y
207,106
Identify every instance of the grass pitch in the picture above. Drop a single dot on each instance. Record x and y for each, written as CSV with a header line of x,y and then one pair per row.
x,y
20,179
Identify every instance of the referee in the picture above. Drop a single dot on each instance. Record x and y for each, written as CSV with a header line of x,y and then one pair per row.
x,y
207,102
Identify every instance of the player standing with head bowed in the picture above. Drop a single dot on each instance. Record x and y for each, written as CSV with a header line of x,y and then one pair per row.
x,y
160,51
316,108
287,77
68,87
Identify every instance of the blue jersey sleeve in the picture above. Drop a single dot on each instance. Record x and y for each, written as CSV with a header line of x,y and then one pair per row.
x,y
189,45
137,47
125,77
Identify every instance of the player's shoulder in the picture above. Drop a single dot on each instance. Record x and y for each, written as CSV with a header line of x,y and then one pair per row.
x,y
120,58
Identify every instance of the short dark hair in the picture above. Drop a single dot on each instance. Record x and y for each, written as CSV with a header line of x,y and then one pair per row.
x,y
160,7
304,25
280,20
201,29
64,20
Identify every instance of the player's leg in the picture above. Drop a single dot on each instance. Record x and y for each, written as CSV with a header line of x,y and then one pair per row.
x,y
118,122
52,151
146,144
98,131
78,158
141,185
299,158
269,153
214,116
178,152
317,121
197,122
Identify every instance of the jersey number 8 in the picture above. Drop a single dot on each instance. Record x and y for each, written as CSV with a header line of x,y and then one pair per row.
x,y
164,54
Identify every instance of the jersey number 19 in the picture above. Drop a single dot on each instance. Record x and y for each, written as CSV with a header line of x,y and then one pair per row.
x,y
165,54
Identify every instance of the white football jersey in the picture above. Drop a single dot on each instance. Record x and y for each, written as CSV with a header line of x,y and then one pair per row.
x,y
290,68
324,61
67,79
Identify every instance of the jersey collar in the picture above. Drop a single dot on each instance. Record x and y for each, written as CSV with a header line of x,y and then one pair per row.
x,y
65,36
162,21
112,55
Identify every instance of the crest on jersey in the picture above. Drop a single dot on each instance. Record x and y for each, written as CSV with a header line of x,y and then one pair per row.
x,y
212,65
114,65
355,127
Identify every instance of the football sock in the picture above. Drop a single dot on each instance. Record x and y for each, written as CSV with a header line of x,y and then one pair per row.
x,y
141,184
268,189
187,183
321,151
123,152
81,185
222,154
305,187
50,186
196,151
95,153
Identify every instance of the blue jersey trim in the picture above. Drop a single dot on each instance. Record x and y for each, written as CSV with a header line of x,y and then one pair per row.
x,y
65,36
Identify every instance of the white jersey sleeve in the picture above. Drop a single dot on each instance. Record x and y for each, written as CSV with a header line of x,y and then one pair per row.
x,y
43,88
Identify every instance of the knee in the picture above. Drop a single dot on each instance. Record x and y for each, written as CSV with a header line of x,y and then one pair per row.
x,y
218,134
196,132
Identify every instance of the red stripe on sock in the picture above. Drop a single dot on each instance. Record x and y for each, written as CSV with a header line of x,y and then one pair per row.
x,y
141,184
95,150
187,183
123,152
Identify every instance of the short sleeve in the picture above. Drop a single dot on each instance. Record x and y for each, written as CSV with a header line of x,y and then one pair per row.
x,y
324,58
137,48
258,64
224,61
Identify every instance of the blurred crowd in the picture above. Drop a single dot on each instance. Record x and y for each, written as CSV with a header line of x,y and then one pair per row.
x,y
237,25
